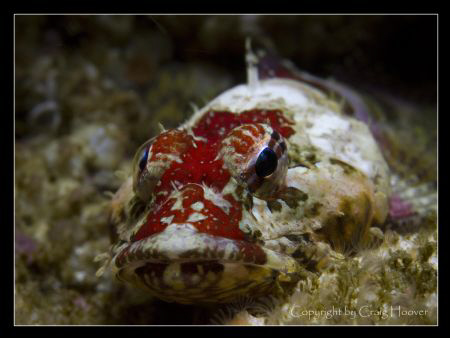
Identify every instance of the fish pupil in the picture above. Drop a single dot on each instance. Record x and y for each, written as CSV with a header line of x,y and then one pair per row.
x,y
266,163
143,160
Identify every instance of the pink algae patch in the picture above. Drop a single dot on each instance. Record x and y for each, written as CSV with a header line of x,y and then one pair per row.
x,y
399,208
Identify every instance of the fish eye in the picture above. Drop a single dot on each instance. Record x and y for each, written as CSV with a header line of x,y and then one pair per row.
x,y
141,157
143,160
256,156
154,157
140,175
266,163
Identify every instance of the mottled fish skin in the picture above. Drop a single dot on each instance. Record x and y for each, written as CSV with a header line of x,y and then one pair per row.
x,y
254,190
406,135
271,66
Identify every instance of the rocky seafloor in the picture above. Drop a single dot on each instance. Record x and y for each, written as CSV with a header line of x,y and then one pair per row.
x,y
91,89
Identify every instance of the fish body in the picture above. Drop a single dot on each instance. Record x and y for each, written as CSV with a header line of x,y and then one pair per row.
x,y
263,183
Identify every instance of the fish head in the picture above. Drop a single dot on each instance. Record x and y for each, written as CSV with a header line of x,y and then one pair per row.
x,y
259,185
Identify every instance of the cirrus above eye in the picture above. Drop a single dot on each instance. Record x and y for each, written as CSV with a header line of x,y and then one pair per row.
x,y
266,163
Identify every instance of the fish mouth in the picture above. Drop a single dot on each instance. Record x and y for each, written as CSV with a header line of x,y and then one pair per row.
x,y
186,266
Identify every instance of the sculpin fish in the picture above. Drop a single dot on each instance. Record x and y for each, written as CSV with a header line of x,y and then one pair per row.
x,y
266,181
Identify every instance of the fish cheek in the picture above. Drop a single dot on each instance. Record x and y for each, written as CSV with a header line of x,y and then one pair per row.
x,y
347,231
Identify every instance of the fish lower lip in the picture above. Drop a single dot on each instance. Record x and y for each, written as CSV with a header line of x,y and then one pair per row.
x,y
183,243
183,265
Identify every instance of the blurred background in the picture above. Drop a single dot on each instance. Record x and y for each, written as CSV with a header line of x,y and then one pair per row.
x,y
397,54
90,89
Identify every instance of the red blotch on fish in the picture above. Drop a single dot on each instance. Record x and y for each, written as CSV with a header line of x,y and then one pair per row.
x,y
199,165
